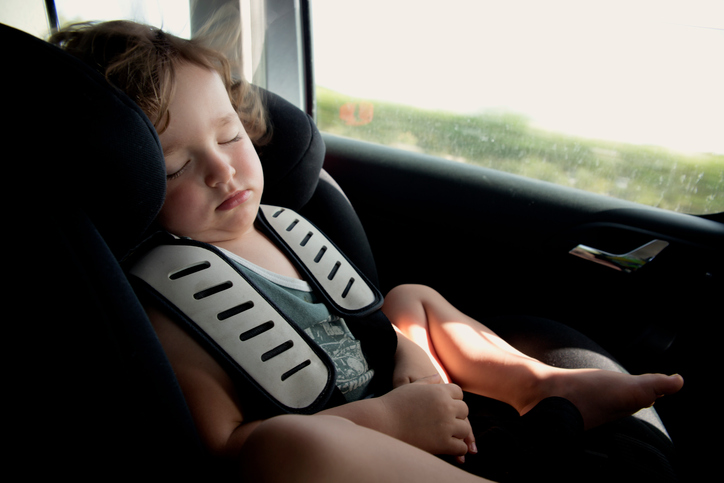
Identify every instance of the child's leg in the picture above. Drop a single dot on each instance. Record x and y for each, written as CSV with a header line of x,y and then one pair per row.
x,y
482,363
327,448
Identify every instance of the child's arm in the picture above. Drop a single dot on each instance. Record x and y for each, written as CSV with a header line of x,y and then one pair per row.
x,y
421,410
425,414
208,390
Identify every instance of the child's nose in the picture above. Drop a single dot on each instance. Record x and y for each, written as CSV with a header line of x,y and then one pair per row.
x,y
220,170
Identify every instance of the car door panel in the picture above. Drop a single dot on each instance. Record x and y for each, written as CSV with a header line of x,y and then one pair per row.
x,y
442,223
497,244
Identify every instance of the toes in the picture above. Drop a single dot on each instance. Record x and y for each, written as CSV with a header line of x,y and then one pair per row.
x,y
670,385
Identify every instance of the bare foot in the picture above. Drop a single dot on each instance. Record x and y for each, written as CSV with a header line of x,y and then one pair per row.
x,y
603,396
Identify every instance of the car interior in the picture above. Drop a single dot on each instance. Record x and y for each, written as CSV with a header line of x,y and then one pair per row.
x,y
92,393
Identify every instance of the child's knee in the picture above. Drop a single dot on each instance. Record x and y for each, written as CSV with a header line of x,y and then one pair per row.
x,y
408,293
409,303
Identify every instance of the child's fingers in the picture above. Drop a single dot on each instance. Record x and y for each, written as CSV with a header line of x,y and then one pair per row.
x,y
468,444
464,440
470,441
456,391
458,448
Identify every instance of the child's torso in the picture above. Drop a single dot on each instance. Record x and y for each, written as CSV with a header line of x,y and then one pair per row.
x,y
299,302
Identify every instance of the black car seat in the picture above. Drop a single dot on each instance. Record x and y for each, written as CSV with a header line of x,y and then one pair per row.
x,y
92,393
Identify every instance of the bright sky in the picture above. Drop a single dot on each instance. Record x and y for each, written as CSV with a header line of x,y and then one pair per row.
x,y
171,15
644,71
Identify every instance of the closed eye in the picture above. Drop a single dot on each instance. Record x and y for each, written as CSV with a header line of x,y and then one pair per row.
x,y
176,174
237,138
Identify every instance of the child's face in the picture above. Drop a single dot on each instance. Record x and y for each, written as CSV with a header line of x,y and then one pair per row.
x,y
215,180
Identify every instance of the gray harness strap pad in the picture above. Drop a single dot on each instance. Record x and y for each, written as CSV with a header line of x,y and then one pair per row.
x,y
238,322
343,286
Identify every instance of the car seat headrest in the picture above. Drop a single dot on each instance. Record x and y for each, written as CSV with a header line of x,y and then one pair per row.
x,y
293,159
96,149
86,144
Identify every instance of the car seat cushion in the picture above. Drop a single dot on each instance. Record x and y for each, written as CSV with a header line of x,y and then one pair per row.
x,y
94,147
293,159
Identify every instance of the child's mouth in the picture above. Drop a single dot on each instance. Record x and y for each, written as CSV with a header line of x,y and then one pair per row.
x,y
234,200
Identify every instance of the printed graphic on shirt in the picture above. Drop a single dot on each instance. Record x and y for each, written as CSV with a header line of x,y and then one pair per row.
x,y
353,372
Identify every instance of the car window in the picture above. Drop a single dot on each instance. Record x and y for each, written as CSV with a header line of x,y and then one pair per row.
x,y
621,98
172,15
235,27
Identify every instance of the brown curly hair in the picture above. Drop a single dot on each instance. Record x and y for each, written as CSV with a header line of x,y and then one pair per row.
x,y
141,60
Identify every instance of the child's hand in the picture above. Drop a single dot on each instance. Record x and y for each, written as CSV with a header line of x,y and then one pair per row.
x,y
431,416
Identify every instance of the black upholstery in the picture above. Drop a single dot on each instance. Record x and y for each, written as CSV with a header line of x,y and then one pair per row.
x,y
94,146
91,389
93,394
292,163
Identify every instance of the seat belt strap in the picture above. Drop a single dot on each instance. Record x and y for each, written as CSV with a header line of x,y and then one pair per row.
x,y
230,316
346,289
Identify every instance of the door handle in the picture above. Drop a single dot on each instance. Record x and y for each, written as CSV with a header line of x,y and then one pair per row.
x,y
627,262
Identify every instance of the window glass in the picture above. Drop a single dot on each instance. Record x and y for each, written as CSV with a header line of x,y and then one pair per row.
x,y
27,15
171,15
618,97
218,21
